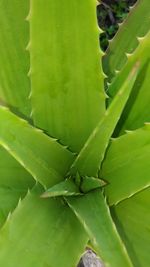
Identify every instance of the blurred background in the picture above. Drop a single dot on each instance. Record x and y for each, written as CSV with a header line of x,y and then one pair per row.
x,y
110,13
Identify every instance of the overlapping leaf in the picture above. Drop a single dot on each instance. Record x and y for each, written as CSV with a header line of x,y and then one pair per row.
x,y
14,183
89,163
93,213
137,110
126,39
126,166
14,59
14,92
41,155
41,233
72,187
48,162
132,218
68,101
89,159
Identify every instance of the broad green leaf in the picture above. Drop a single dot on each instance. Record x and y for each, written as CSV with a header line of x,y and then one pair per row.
x,y
41,155
126,167
14,183
66,74
92,211
14,59
41,233
89,159
137,110
126,39
132,218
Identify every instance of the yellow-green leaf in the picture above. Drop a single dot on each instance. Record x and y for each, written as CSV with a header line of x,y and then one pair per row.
x,y
93,213
132,218
14,58
41,233
66,74
126,167
126,39
89,159
14,183
42,156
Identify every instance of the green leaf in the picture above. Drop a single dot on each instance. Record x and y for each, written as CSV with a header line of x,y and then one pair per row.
x,y
126,166
14,59
141,54
41,155
44,233
90,183
137,110
92,211
66,74
132,218
14,92
126,39
14,183
65,188
89,159
70,188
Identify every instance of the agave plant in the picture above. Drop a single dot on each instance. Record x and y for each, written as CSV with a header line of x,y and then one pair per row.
x,y
74,162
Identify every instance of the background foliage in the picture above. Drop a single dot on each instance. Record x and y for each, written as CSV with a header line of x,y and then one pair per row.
x,y
110,13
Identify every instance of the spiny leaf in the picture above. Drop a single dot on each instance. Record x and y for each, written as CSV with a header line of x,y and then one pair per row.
x,y
93,213
14,92
90,183
132,218
41,155
65,188
66,76
140,54
14,59
137,110
14,183
41,232
90,157
70,188
126,166
126,40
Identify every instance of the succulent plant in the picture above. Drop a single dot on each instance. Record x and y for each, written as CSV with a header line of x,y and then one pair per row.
x,y
74,161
